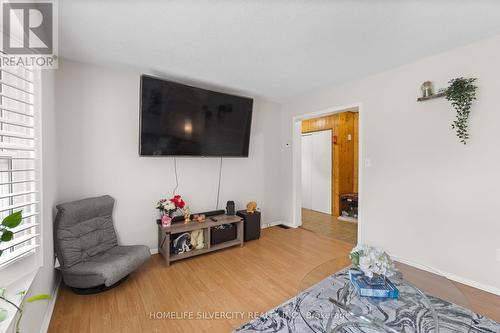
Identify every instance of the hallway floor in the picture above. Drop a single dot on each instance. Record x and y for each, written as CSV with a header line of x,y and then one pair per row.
x,y
329,226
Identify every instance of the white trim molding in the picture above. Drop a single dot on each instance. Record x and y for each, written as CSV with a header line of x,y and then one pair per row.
x,y
450,276
271,224
50,309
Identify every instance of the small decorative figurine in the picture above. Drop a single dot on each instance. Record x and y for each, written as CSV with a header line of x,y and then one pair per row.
x,y
427,89
199,217
251,207
187,215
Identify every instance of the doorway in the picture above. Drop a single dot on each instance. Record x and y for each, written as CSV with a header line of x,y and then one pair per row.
x,y
329,152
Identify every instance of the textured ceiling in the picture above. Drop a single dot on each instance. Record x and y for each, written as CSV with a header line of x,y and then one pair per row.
x,y
271,49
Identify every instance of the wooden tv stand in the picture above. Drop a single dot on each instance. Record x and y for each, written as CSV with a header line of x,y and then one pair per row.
x,y
165,233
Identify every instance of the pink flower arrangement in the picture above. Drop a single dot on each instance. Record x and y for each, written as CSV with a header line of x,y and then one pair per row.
x,y
170,206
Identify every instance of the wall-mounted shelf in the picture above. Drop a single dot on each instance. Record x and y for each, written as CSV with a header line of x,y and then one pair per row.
x,y
438,95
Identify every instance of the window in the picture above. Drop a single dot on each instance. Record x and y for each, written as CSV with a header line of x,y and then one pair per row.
x,y
18,161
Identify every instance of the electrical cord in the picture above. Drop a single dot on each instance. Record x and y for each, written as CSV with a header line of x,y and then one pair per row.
x,y
176,176
218,187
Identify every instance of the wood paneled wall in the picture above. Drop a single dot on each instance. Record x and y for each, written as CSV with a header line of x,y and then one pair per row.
x,y
344,151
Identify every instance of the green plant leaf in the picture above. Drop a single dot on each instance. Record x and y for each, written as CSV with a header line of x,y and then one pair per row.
x,y
461,93
39,297
355,258
3,314
13,220
7,235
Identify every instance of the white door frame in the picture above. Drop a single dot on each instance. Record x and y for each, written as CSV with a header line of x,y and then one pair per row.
x,y
305,173
296,161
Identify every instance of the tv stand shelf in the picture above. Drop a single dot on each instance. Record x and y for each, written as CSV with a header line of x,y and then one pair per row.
x,y
165,235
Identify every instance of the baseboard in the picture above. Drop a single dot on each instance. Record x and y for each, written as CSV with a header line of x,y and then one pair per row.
x,y
287,224
50,309
474,284
270,224
450,276
153,251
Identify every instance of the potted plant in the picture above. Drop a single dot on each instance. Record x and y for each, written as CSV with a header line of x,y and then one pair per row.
x,y
461,93
375,264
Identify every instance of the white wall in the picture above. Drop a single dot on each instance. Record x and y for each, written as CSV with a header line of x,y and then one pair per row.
x,y
98,129
426,197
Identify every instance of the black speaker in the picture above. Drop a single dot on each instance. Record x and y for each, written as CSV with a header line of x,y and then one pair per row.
x,y
230,208
251,226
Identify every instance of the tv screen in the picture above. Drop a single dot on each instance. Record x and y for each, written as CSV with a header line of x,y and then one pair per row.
x,y
180,120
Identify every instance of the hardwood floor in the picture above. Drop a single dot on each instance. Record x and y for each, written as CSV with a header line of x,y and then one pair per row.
x,y
254,278
236,282
330,226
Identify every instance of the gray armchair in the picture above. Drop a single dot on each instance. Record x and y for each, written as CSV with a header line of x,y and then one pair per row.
x,y
87,249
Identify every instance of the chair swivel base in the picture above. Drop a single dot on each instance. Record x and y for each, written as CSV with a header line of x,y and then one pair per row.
x,y
97,289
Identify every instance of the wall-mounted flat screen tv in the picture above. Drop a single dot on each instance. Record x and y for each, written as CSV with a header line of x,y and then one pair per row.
x,y
180,120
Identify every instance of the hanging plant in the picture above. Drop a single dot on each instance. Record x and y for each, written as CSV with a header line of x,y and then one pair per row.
x,y
461,93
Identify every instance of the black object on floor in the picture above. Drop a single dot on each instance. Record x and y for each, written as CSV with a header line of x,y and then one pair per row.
x,y
251,224
97,289
222,233
349,205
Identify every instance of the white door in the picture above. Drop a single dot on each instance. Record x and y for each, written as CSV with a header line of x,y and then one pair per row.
x,y
317,171
321,172
306,170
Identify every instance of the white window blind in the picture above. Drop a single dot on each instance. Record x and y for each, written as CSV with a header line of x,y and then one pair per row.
x,y
18,161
